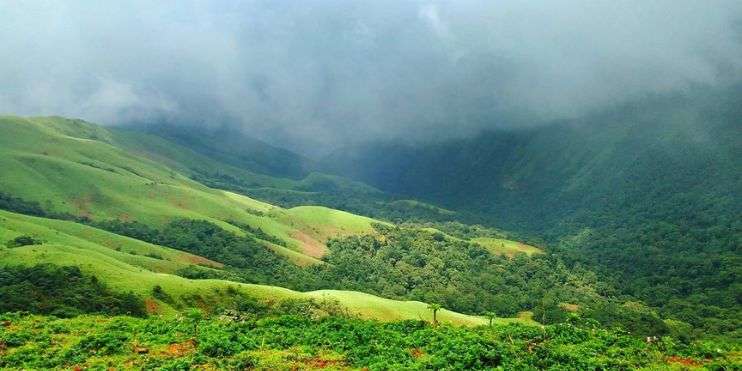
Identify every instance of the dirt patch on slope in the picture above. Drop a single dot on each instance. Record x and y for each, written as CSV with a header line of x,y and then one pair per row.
x,y
200,260
310,246
180,349
151,306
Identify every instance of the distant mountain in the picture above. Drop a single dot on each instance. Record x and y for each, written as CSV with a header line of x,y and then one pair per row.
x,y
229,159
649,193
650,156
234,147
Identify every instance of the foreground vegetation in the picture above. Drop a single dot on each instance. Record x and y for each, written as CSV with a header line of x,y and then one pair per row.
x,y
303,338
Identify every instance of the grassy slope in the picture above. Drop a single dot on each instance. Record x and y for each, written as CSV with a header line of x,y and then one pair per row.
x,y
125,249
501,246
95,252
193,163
185,160
73,166
496,246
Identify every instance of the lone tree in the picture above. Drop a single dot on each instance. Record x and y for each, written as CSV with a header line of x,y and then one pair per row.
x,y
194,316
435,308
490,316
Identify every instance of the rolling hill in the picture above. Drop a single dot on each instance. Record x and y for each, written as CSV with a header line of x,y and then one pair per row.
x,y
129,265
74,167
201,162
80,170
203,243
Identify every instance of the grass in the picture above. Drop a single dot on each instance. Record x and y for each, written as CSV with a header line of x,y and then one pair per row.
x,y
316,224
505,247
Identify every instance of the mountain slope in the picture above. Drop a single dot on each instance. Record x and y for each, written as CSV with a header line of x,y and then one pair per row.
x,y
660,148
233,147
315,188
74,167
648,193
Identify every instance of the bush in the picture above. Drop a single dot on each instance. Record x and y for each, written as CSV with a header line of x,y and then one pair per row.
x,y
160,294
23,241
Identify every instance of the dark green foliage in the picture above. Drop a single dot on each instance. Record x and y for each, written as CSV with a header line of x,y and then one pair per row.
x,y
254,262
153,256
61,291
235,148
375,205
133,229
18,205
196,272
360,201
23,241
633,317
160,294
413,264
247,259
258,233
410,264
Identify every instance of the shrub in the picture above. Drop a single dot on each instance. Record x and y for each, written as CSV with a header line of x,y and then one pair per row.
x,y
23,241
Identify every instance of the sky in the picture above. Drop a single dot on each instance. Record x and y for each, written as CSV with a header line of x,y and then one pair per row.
x,y
314,74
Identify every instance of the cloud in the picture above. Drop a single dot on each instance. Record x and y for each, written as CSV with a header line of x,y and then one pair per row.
x,y
314,74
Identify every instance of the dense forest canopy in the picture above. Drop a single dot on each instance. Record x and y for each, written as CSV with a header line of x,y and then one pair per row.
x,y
648,194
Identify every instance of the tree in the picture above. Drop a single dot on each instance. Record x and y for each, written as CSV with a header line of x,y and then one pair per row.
x,y
435,308
490,316
195,316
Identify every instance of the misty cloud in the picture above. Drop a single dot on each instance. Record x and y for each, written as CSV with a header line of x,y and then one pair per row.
x,y
315,73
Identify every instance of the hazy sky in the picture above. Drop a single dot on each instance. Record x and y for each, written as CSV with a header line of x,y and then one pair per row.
x,y
316,73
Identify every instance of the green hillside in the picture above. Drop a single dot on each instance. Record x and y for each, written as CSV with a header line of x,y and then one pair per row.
x,y
226,253
70,166
129,265
203,160
75,168
233,147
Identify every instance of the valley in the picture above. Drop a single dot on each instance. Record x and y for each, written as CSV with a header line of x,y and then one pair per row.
x,y
126,209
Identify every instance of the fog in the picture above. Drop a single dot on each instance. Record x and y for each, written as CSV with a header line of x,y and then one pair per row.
x,y
312,75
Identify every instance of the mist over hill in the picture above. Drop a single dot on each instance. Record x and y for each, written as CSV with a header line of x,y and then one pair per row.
x,y
313,78
684,143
